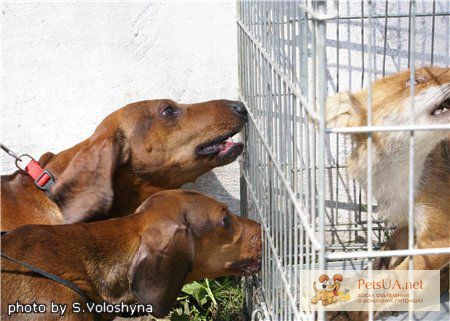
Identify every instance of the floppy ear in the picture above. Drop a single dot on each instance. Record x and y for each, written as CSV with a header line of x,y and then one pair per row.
x,y
342,110
45,158
323,278
85,188
338,277
160,266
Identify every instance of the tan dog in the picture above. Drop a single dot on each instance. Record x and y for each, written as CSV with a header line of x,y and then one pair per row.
x,y
329,292
136,151
175,237
391,106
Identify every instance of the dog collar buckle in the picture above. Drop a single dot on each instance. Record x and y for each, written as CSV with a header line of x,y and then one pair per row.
x,y
43,179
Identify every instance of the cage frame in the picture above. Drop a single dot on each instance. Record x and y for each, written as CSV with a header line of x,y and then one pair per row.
x,y
272,89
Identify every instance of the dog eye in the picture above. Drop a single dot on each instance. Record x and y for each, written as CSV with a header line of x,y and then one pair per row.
x,y
324,286
417,80
225,222
170,111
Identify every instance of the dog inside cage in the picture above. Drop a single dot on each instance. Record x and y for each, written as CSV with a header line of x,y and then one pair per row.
x,y
347,160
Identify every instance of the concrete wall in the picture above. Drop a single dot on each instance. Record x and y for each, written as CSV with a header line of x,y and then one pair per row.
x,y
68,65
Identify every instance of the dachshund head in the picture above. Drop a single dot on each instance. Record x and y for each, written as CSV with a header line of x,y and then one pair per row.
x,y
188,236
157,144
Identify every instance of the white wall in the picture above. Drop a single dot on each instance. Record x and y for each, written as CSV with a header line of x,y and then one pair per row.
x,y
68,65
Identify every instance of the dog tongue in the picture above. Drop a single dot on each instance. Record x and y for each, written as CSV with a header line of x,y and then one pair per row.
x,y
221,148
224,147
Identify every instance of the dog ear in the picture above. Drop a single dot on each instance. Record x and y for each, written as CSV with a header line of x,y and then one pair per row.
x,y
85,188
323,278
45,158
160,266
343,110
338,277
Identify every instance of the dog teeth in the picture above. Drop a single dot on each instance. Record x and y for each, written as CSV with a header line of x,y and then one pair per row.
x,y
210,148
437,112
440,111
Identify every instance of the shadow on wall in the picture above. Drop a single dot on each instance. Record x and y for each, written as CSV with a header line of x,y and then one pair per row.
x,y
210,184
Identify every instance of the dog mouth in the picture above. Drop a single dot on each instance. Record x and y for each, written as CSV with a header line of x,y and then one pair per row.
x,y
246,267
222,146
442,108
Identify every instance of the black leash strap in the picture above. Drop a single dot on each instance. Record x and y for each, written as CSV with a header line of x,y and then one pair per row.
x,y
52,277
47,275
10,152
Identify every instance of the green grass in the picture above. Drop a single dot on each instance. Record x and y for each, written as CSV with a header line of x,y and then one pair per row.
x,y
218,300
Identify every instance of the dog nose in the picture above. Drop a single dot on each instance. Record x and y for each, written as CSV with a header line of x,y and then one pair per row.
x,y
239,108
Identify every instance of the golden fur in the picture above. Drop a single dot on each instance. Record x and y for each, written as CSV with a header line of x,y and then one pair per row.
x,y
391,101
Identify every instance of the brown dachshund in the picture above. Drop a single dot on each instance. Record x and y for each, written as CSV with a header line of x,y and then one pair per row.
x,y
174,237
136,151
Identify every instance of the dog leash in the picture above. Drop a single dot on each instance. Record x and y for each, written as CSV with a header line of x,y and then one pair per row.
x,y
52,277
66,283
43,179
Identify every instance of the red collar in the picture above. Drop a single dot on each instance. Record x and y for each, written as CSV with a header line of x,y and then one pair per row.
x,y
43,179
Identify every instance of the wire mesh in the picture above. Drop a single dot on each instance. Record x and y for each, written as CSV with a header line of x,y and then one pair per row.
x,y
294,180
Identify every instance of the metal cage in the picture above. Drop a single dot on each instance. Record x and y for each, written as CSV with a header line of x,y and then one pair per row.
x,y
292,55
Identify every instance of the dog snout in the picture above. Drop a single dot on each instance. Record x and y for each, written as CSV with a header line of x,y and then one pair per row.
x,y
239,108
